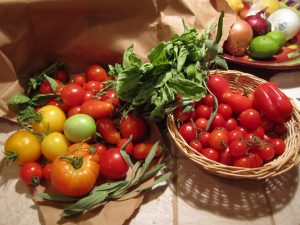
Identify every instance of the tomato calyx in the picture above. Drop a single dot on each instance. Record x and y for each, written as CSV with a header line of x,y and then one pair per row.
x,y
34,181
11,155
75,161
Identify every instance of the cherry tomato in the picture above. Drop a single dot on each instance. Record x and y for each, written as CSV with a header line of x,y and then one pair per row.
x,y
47,171
61,75
218,139
203,111
72,94
218,121
142,149
111,96
96,73
58,89
266,124
201,124
250,119
225,157
74,110
204,138
244,162
238,148
100,149
129,146
231,124
93,86
45,88
97,109
178,114
235,135
196,144
31,173
218,85
112,164
259,132
280,129
133,125
266,152
255,160
79,79
208,100
210,153
224,110
74,175
238,103
278,145
243,130
188,131
105,126
88,95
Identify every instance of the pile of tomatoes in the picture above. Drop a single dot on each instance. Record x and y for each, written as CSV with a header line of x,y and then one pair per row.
x,y
240,129
80,135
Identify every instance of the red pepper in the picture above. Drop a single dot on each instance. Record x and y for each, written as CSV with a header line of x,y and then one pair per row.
x,y
273,103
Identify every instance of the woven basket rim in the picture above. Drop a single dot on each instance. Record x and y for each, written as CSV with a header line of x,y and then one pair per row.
x,y
281,164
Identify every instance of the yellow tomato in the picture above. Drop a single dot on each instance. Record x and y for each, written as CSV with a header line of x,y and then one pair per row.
x,y
23,147
54,144
53,120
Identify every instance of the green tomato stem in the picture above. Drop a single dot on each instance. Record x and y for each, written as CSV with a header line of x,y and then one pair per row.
x,y
35,181
11,155
75,161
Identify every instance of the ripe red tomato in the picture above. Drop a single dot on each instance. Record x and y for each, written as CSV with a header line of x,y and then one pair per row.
x,y
178,114
133,125
196,144
93,86
204,138
243,130
280,129
53,102
218,139
111,96
203,111
72,94
100,149
266,124
201,124
234,135
259,132
218,121
96,73
188,131
129,146
31,173
224,110
231,124
218,85
45,87
279,145
88,95
105,126
97,109
61,75
210,153
74,110
238,148
226,157
208,100
79,79
112,164
250,119
47,171
244,162
142,149
255,160
266,152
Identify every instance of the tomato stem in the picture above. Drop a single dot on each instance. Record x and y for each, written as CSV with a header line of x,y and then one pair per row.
x,y
34,181
75,161
10,155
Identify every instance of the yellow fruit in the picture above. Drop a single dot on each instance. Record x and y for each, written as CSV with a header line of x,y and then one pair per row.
x,y
236,5
270,5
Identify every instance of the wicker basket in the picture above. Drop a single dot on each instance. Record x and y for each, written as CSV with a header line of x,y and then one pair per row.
x,y
281,164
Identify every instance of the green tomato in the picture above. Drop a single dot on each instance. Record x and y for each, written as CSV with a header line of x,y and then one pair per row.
x,y
79,127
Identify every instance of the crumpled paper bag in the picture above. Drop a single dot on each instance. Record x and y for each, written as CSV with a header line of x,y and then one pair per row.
x,y
35,33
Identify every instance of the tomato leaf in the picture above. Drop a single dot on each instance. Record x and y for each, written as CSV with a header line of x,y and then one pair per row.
x,y
18,99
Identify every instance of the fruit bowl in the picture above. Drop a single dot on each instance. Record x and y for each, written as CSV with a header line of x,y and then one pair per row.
x,y
279,165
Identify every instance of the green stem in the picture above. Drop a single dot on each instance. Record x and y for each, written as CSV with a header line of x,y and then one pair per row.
x,y
35,181
11,155
75,161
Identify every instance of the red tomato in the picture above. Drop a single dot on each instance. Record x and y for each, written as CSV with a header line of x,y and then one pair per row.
x,y
210,153
201,124
45,87
105,126
280,129
100,149
47,171
259,132
235,135
218,85
133,125
238,103
31,173
255,160
61,75
96,73
74,110
196,144
250,119
224,110
178,114
231,124
188,131
88,95
266,152
218,121
244,162
112,164
59,89
111,96
93,86
218,139
53,102
97,109
72,94
226,157
129,146
243,130
204,138
141,150
79,79
266,124
279,145
208,100
203,111
238,148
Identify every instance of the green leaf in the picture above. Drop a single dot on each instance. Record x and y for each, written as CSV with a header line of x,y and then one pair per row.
x,y
157,56
151,172
221,62
187,88
183,53
124,153
111,186
52,82
18,99
162,178
28,115
41,99
149,158
56,198
220,27
130,59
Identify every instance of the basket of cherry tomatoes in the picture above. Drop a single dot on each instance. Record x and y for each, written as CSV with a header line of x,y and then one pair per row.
x,y
244,128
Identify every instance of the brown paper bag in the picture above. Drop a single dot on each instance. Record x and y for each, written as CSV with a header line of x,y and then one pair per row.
x,y
35,33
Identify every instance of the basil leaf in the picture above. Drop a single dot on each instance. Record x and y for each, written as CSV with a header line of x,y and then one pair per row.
x,y
52,82
18,99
